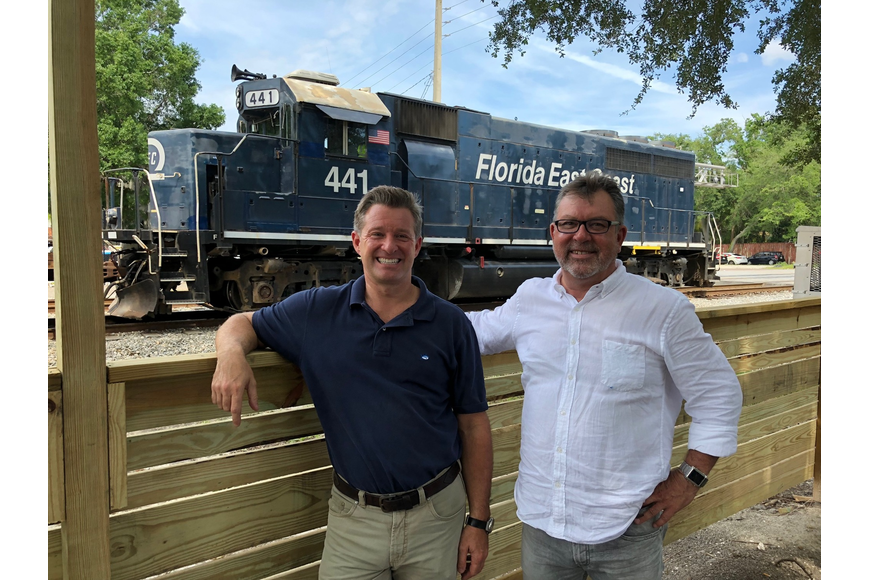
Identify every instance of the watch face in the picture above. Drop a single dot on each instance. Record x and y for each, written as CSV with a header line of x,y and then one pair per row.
x,y
696,477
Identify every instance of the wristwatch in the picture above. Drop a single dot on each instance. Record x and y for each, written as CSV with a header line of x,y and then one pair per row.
x,y
693,474
486,526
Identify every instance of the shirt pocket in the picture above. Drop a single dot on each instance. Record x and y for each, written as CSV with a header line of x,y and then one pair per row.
x,y
623,366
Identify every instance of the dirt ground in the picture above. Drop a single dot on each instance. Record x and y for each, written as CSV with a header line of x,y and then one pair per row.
x,y
779,539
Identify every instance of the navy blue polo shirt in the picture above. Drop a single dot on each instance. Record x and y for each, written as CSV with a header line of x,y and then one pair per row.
x,y
386,394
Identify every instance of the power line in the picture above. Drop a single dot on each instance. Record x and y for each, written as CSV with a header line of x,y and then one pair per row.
x,y
389,63
418,55
388,53
470,25
467,13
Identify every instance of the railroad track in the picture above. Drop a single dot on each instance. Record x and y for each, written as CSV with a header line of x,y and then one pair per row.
x,y
178,320
731,289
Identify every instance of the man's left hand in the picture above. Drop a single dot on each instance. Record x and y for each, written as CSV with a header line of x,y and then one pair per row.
x,y
473,550
669,497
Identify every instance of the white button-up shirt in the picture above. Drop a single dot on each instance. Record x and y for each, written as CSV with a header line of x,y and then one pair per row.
x,y
604,379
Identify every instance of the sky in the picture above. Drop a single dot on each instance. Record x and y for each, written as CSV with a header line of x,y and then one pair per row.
x,y
389,46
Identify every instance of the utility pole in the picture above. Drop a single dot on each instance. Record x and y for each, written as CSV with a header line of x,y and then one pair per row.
x,y
436,81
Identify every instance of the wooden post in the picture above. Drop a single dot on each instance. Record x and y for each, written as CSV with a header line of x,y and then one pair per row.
x,y
81,346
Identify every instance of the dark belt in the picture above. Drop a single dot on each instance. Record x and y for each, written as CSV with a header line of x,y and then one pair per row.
x,y
399,501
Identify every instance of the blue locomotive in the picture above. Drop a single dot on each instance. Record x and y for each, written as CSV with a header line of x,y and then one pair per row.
x,y
240,220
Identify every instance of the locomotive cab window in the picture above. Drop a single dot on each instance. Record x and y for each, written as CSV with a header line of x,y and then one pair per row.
x,y
273,121
345,138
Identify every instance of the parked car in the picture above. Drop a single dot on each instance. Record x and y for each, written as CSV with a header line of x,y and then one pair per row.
x,y
734,259
770,258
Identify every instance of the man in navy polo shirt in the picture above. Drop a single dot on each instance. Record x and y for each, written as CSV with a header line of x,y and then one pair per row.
x,y
396,378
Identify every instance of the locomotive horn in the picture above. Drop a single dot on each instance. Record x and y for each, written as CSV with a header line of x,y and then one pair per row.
x,y
245,75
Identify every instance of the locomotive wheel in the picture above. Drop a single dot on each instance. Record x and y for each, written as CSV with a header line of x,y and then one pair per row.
x,y
234,296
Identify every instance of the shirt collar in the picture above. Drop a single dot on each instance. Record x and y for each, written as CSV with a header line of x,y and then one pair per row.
x,y
608,285
423,309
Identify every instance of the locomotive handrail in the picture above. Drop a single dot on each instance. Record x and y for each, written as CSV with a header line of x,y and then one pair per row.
x,y
156,210
196,187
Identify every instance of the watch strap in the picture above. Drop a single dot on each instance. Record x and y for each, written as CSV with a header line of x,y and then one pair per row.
x,y
485,525
693,474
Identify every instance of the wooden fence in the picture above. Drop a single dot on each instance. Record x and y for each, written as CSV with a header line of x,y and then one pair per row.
x,y
192,497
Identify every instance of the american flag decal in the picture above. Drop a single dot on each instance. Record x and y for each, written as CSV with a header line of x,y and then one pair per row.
x,y
381,137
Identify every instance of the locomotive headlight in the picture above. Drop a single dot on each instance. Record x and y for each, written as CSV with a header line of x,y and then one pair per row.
x,y
239,103
238,90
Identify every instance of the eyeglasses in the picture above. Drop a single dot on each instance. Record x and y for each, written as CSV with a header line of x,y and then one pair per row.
x,y
592,226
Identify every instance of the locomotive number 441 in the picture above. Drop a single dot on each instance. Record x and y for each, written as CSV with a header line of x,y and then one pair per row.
x,y
348,181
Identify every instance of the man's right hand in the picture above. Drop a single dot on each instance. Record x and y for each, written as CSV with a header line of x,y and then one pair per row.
x,y
233,375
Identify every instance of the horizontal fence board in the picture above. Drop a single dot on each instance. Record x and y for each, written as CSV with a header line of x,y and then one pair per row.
x,y
161,538
498,365
505,414
770,341
173,481
163,401
55,553
125,371
754,455
761,385
156,447
213,474
503,487
761,318
738,495
55,380
505,450
55,457
504,551
790,410
258,562
504,386
771,358
504,513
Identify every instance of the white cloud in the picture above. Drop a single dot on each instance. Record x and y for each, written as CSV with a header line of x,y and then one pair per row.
x,y
774,52
741,57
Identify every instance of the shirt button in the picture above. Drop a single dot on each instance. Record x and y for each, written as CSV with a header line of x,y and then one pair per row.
x,y
558,485
383,330
573,341
562,413
570,377
559,449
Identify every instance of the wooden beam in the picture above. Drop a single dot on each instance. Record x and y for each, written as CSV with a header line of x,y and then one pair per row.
x,y
739,495
55,553
167,536
150,448
817,463
117,447
275,557
81,349
774,340
764,384
55,457
761,318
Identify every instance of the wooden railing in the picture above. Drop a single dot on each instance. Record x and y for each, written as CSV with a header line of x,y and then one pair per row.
x,y
195,498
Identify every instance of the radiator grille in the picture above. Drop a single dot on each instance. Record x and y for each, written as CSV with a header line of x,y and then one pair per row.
x,y
816,265
632,161
672,167
427,120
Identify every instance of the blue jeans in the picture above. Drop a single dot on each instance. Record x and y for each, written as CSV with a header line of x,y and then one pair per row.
x,y
636,555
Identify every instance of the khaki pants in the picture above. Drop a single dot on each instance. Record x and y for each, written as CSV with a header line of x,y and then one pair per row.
x,y
417,544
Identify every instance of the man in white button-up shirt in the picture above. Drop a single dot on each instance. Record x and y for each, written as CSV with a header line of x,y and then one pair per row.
x,y
607,357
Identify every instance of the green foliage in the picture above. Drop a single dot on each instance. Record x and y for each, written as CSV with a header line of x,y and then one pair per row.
x,y
774,196
145,81
692,39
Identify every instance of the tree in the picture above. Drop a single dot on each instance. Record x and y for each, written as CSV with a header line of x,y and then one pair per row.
x,y
774,197
145,81
693,38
